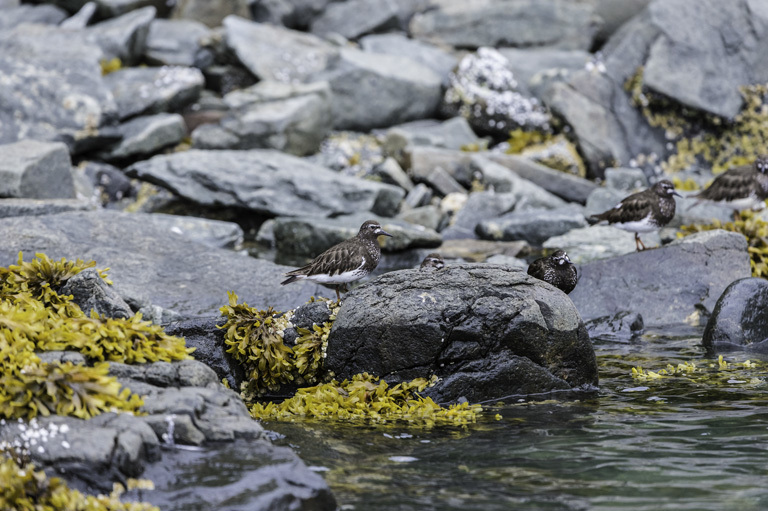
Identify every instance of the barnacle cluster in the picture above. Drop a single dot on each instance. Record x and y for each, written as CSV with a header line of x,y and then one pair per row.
x,y
754,228
34,317
255,338
25,488
365,398
704,139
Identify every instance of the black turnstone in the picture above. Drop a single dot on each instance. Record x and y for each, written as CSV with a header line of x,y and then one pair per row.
x,y
644,211
557,270
739,188
349,261
433,260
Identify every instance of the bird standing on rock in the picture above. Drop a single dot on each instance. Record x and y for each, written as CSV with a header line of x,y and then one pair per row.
x,y
644,211
557,270
739,188
433,260
349,261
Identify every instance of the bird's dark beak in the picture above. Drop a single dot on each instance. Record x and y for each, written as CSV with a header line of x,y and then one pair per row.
x,y
674,192
382,232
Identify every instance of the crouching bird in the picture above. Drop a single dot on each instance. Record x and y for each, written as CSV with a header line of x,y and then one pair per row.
x,y
349,261
557,270
642,212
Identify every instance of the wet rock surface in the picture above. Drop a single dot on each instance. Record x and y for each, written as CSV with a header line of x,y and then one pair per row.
x,y
738,320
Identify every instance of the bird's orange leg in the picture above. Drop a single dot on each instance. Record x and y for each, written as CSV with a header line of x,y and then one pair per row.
x,y
639,243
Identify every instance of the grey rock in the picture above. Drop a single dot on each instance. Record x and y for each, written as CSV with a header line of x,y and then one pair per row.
x,y
442,182
124,37
615,13
91,293
42,14
69,101
150,263
533,226
51,357
598,242
420,161
374,90
355,18
275,53
528,194
109,182
389,171
566,186
620,327
175,428
481,250
510,261
738,321
174,42
81,18
486,331
309,236
603,199
211,233
115,8
145,136
266,181
419,196
210,12
9,4
428,216
393,43
537,68
149,90
454,133
521,23
291,13
213,136
691,211
36,170
480,206
266,234
290,118
34,207
626,179
643,282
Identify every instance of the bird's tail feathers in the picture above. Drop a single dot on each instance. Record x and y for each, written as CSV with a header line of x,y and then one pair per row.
x,y
292,278
594,219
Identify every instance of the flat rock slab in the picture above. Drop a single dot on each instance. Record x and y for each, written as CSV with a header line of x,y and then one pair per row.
x,y
739,321
667,285
36,170
486,330
151,262
149,90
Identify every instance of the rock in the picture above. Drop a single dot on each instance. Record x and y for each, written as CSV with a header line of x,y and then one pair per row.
x,y
110,183
390,172
533,226
436,59
664,285
625,179
443,183
492,107
36,170
306,316
535,69
35,207
419,196
373,90
275,53
141,91
309,236
480,206
290,118
481,250
211,233
421,161
428,216
603,199
566,186
91,293
210,12
509,261
174,42
150,264
486,331
501,179
598,242
690,211
520,23
81,19
124,37
355,18
621,327
69,100
615,13
454,133
738,321
41,14
266,181
291,13
145,136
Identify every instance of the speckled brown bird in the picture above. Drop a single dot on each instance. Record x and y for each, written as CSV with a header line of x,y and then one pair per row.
x,y
644,211
557,270
742,187
349,261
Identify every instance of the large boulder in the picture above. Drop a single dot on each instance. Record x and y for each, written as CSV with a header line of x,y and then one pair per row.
x,y
739,321
153,263
266,181
487,331
676,283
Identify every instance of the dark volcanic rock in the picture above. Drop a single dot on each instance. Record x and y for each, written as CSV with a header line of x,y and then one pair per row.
x,y
91,293
665,285
486,330
619,327
739,321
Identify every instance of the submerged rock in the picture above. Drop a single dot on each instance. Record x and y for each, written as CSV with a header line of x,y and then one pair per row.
x,y
739,320
485,330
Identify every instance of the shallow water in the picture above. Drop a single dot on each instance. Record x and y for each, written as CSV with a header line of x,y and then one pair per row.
x,y
696,441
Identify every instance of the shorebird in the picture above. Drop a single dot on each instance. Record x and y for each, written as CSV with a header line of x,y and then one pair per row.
x,y
557,270
742,187
433,260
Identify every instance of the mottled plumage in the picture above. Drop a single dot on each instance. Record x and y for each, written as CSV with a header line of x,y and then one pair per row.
x,y
557,270
644,211
433,260
350,260
739,188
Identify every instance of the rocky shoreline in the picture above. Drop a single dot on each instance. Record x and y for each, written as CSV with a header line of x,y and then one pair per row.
x,y
202,148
